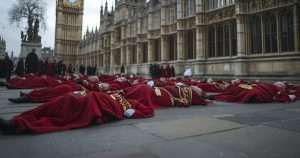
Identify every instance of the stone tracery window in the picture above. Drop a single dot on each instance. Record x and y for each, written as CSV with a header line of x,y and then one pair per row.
x,y
287,31
190,43
145,52
255,34
172,47
189,7
133,54
270,27
211,41
272,33
157,49
222,39
215,4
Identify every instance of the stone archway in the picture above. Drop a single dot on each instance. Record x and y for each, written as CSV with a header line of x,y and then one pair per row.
x,y
31,62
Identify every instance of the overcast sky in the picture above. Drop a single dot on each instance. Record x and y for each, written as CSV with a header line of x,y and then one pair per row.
x,y
11,33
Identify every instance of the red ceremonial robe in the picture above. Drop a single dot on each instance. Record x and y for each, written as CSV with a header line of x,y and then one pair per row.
x,y
31,82
257,93
47,94
147,96
163,98
74,111
208,87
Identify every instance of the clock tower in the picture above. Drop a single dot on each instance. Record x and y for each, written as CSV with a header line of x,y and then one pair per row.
x,y
68,29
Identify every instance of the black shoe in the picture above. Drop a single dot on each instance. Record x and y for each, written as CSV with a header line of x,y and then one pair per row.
x,y
22,94
7,127
19,100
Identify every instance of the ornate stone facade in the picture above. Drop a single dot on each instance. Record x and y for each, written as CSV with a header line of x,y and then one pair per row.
x,y
2,48
249,39
68,31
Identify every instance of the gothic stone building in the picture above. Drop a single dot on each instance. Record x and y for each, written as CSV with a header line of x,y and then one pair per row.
x,y
68,30
2,48
251,39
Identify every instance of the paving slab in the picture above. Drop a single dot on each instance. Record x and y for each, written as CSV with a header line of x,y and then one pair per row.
x,y
261,117
187,127
291,125
258,142
198,131
138,152
75,143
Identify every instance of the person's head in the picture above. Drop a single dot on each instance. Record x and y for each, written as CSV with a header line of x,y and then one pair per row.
x,y
135,82
76,76
188,73
180,84
104,86
235,81
93,78
210,80
162,79
121,79
150,83
280,85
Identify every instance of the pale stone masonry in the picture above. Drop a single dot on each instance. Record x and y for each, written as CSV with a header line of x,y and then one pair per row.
x,y
252,39
68,29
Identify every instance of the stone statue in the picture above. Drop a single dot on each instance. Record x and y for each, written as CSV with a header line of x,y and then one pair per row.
x,y
32,34
36,30
30,29
23,37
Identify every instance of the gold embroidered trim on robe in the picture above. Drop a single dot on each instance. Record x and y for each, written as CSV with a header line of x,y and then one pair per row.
x,y
120,99
169,94
185,95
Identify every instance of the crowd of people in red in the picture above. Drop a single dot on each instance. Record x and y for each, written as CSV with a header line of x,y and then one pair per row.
x,y
76,101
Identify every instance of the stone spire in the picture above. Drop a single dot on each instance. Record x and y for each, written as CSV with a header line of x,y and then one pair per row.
x,y
101,11
106,8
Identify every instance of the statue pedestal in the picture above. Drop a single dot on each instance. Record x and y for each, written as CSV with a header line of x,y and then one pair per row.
x,y
28,47
2,56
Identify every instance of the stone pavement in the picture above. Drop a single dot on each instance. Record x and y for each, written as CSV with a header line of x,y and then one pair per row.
x,y
222,130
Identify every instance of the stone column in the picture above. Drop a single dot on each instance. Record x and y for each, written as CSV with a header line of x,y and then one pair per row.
x,y
179,9
263,35
164,48
278,33
297,28
139,52
201,30
112,58
103,60
180,45
241,35
128,55
241,67
150,51
123,56
200,43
